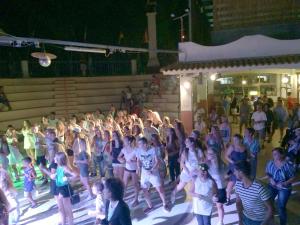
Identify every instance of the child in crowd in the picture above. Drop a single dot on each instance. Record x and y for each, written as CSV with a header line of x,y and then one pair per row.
x,y
39,146
29,180
225,130
62,177
4,152
6,186
82,161
99,212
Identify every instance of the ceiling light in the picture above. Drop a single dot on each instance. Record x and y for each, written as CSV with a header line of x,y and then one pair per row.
x,y
44,58
90,50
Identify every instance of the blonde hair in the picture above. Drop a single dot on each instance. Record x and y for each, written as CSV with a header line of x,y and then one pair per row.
x,y
61,159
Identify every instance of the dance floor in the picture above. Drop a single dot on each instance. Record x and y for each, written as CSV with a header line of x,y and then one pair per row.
x,y
46,212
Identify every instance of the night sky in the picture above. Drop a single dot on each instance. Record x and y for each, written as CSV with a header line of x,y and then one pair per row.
x,y
93,21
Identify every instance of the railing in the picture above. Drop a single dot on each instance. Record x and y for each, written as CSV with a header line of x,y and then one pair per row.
x,y
66,68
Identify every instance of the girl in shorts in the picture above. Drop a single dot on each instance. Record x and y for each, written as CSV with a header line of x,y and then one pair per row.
x,y
82,161
62,177
128,156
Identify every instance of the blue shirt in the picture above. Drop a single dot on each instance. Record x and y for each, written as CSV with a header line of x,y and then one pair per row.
x,y
282,174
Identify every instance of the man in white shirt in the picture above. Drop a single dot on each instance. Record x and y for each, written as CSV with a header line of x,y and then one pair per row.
x,y
259,119
148,167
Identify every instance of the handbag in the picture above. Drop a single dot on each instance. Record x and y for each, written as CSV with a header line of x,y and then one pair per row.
x,y
75,198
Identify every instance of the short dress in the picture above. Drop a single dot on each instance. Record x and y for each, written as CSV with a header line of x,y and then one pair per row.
x,y
14,156
192,164
83,167
29,182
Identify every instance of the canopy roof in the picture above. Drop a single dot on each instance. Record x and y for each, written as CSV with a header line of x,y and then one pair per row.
x,y
255,51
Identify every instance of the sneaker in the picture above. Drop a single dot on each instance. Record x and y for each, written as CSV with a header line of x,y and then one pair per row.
x,y
228,201
173,197
148,209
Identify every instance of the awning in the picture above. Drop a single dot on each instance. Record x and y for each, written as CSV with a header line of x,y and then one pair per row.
x,y
232,63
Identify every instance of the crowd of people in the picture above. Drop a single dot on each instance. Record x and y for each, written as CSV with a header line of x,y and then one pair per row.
x,y
121,148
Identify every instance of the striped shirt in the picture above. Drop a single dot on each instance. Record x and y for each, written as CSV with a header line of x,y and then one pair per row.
x,y
282,174
253,199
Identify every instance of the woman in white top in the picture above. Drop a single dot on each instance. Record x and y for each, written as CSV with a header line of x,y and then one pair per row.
x,y
217,172
204,193
128,156
189,164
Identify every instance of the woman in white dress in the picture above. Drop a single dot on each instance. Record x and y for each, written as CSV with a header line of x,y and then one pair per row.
x,y
189,164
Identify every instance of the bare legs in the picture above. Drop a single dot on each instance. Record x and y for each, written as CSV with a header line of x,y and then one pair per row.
x,y
86,184
135,181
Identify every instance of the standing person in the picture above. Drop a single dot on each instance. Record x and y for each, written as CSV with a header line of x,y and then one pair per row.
x,y
97,153
128,155
40,154
281,116
269,122
116,210
253,200
99,212
82,161
225,130
52,121
217,172
189,163
116,147
160,151
204,191
29,180
172,149
164,128
28,139
253,148
259,119
14,156
149,130
7,187
4,152
281,174
214,140
201,126
148,168
245,111
235,153
181,135
62,177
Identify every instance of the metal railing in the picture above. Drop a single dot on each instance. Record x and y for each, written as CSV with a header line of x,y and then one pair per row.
x,y
66,68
